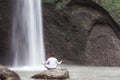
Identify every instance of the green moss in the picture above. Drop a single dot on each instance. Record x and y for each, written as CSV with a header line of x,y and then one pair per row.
x,y
58,31
112,6
60,5
48,1
84,24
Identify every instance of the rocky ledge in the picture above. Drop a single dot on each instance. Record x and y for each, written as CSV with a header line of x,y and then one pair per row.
x,y
6,74
52,74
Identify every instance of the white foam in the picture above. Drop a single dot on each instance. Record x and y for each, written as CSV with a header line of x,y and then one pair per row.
x,y
28,68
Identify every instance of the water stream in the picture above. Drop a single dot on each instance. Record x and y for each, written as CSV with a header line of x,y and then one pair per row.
x,y
27,41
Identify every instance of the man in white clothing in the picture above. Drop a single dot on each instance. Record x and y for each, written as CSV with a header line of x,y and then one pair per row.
x,y
52,62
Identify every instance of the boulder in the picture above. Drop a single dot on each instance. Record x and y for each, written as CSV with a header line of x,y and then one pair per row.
x,y
53,74
103,47
6,74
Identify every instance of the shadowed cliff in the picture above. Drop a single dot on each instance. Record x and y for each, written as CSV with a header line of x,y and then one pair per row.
x,y
5,31
83,33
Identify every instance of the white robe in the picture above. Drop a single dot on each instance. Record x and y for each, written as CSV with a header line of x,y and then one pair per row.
x,y
52,62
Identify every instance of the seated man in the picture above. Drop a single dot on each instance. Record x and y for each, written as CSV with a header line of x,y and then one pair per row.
x,y
52,62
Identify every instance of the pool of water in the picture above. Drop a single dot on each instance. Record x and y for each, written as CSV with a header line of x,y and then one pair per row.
x,y
80,73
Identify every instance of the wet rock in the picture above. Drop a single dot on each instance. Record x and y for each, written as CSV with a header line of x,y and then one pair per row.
x,y
10,78
6,74
52,74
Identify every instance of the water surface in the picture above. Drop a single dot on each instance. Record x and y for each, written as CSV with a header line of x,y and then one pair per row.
x,y
82,73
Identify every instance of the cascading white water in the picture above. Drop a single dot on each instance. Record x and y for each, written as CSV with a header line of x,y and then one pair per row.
x,y
27,43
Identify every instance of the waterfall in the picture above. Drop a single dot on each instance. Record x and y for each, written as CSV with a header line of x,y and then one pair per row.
x,y
27,41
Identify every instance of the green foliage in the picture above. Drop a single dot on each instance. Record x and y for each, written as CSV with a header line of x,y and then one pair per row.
x,y
84,24
112,6
49,1
60,5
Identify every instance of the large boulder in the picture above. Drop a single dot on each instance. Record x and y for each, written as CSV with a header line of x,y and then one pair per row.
x,y
103,47
6,74
52,74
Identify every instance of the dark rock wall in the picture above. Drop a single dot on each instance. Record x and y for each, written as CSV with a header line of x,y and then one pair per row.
x,y
56,30
5,31
102,43
62,35
83,33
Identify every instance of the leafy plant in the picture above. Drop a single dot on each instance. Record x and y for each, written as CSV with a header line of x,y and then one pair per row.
x,y
112,6
60,4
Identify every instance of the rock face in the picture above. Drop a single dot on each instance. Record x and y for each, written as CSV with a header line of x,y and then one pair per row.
x,y
5,31
6,74
53,74
63,35
82,33
103,47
